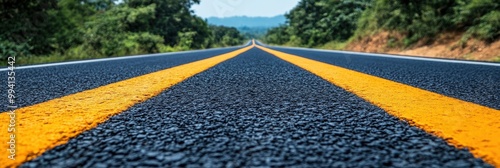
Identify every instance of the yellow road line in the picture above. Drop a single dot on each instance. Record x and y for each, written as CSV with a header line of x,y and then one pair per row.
x,y
461,123
43,126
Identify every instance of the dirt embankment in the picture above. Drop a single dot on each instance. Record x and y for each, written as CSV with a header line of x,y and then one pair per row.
x,y
445,45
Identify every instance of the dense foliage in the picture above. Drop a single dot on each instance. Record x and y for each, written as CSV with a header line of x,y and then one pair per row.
x,y
316,22
253,32
56,30
420,19
225,36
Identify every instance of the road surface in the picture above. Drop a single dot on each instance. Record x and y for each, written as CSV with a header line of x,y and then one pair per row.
x,y
257,106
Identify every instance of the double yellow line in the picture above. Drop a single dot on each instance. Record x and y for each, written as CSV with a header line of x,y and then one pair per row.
x,y
43,126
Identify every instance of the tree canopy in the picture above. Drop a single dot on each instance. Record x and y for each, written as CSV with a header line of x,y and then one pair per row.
x,y
316,22
77,29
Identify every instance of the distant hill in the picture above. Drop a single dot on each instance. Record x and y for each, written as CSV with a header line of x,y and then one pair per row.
x,y
244,21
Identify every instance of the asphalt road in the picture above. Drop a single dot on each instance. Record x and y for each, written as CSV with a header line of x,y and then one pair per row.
x,y
256,110
39,84
479,84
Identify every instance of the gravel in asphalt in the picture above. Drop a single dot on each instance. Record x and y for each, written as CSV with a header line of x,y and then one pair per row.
x,y
474,83
255,110
38,85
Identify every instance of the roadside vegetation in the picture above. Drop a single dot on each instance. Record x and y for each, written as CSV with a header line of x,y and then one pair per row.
x,y
406,24
253,32
40,31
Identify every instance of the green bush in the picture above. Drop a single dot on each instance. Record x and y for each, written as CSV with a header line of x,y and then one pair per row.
x,y
314,23
223,36
109,34
488,28
11,49
278,35
424,19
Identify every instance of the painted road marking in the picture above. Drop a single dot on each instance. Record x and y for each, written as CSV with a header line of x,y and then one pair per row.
x,y
461,123
46,125
390,56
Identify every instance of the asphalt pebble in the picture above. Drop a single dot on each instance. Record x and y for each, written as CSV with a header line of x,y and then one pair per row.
x,y
256,110
37,85
479,84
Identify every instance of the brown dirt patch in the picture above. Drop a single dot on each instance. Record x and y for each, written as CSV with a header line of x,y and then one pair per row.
x,y
445,45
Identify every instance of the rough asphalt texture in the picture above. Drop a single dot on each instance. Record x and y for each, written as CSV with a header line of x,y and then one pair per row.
x,y
474,83
255,111
38,85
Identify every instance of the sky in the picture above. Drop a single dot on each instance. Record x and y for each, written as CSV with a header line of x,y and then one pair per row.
x,y
252,8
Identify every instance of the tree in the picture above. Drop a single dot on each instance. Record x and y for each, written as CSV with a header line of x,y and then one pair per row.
x,y
109,33
225,36
71,16
172,17
27,23
481,18
277,35
314,22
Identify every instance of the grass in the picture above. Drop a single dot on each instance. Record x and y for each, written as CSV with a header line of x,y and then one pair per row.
x,y
73,55
52,58
496,59
468,56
